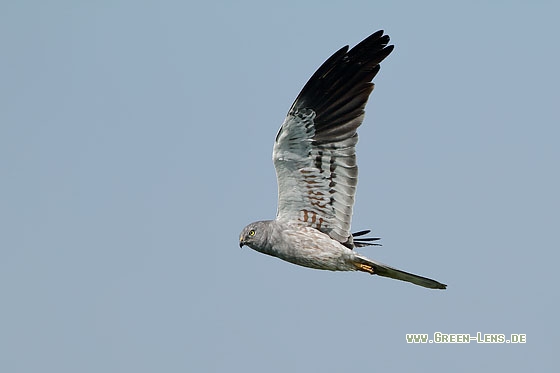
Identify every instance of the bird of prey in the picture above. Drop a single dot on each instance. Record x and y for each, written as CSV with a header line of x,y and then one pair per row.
x,y
315,160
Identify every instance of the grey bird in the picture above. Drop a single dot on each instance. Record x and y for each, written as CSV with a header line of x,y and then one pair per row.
x,y
315,160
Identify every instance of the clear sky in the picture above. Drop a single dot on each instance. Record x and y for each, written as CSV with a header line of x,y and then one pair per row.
x,y
136,141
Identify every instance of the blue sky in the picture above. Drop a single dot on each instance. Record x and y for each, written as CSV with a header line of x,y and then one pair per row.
x,y
135,144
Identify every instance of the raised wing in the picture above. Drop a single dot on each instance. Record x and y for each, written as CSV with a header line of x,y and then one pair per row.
x,y
314,152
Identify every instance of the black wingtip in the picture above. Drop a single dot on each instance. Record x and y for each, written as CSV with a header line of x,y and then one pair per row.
x,y
338,91
361,233
365,241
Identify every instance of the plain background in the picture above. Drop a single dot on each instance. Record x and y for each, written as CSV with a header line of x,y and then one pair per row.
x,y
135,144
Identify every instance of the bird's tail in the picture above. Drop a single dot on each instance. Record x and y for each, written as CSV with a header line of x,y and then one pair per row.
x,y
375,268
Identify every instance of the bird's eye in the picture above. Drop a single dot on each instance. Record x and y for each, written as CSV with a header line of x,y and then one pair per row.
x,y
252,232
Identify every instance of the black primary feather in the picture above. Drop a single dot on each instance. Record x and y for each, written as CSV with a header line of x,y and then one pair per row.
x,y
366,241
340,88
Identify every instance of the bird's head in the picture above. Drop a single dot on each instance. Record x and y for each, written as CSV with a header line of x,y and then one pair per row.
x,y
254,235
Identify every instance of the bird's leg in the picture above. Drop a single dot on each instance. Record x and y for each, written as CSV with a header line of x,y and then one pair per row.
x,y
364,268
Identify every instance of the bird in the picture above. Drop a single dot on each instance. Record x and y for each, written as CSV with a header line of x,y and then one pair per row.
x,y
314,155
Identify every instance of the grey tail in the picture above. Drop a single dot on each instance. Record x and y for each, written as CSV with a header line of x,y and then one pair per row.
x,y
375,268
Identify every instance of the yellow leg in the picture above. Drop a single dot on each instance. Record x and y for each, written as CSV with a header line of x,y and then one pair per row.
x,y
364,267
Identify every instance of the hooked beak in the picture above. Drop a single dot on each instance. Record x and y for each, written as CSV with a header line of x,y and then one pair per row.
x,y
241,243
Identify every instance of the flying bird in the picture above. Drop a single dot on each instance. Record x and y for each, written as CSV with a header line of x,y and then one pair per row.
x,y
315,159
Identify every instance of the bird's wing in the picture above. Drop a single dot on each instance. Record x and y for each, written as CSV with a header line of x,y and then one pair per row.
x,y
314,152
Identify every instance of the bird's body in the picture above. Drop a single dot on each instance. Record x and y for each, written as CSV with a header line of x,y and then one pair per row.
x,y
315,160
304,246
